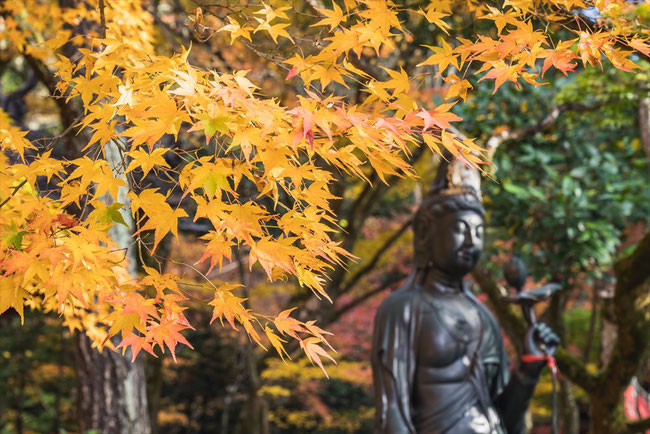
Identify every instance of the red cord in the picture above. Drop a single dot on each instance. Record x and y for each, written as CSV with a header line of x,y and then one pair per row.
x,y
550,360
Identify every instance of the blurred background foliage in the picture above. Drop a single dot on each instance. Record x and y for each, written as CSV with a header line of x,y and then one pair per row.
x,y
565,198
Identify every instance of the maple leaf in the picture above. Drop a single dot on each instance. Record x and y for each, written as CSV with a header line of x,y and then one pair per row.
x,y
399,81
274,30
313,351
271,13
287,325
12,236
104,132
276,342
501,73
292,73
326,75
439,116
443,57
162,218
458,87
500,18
236,30
435,17
318,332
333,17
619,59
560,59
346,40
640,45
161,281
272,254
146,160
167,333
226,305
432,142
137,343
12,295
186,81
154,118
217,248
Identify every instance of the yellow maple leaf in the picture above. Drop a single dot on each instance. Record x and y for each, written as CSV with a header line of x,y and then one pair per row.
x,y
333,17
443,57
146,160
236,30
161,217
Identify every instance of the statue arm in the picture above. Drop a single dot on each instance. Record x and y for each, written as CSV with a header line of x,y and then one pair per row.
x,y
392,366
513,401
394,418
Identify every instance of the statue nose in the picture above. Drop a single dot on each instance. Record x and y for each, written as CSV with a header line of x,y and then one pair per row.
x,y
470,239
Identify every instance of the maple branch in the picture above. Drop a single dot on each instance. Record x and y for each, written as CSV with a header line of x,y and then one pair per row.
x,y
46,77
13,193
102,20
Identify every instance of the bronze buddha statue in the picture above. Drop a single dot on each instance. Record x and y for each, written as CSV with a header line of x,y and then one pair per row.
x,y
438,358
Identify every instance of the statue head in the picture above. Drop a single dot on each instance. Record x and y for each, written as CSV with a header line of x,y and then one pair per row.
x,y
448,226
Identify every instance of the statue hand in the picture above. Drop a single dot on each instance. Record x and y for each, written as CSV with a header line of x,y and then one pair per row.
x,y
541,340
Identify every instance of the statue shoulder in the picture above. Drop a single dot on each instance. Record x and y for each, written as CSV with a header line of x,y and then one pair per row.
x,y
400,304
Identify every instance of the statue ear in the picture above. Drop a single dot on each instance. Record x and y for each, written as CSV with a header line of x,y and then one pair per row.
x,y
422,237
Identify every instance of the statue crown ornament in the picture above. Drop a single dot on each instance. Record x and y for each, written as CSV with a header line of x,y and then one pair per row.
x,y
456,177
456,187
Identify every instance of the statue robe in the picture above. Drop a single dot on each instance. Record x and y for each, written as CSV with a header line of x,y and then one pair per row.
x,y
468,388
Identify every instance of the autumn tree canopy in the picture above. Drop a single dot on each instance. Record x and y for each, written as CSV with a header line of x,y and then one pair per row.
x,y
253,149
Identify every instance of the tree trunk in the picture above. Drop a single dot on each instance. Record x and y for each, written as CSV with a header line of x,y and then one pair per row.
x,y
254,417
112,390
644,124
606,415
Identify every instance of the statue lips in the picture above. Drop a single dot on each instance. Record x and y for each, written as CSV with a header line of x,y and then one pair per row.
x,y
469,253
467,257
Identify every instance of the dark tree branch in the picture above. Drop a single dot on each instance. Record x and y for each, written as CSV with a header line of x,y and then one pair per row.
x,y
66,111
550,120
362,298
508,315
377,256
360,211
102,20
632,270
13,193
576,371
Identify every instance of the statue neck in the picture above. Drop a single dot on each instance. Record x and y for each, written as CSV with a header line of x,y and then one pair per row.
x,y
442,281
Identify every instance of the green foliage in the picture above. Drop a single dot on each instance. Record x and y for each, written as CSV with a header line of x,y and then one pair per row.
x,y
565,194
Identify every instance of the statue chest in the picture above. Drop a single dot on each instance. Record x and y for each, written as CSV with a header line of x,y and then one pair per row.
x,y
450,331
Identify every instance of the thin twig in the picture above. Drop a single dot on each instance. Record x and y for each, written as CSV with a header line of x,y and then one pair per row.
x,y
13,193
102,20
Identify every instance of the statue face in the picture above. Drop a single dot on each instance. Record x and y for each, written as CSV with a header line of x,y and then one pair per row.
x,y
458,242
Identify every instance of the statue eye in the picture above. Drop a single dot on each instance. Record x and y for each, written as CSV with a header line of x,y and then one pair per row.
x,y
479,231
